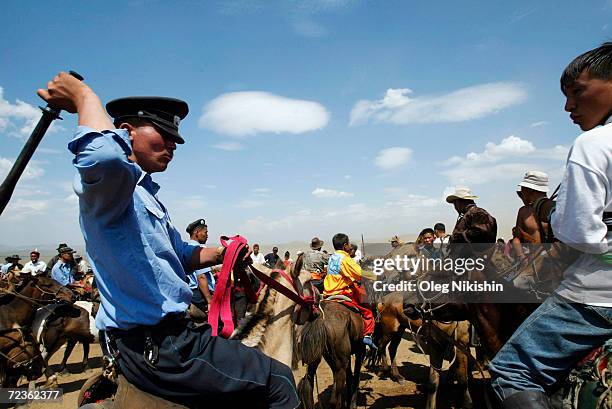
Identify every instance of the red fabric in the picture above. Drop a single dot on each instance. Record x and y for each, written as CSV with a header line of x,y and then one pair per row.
x,y
366,314
220,307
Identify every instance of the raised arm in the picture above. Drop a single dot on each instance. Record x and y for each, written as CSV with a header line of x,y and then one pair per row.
x,y
68,93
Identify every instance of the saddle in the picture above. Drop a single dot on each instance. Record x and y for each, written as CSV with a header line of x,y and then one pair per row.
x,y
344,300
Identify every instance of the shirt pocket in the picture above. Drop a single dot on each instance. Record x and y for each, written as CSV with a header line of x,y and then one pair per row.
x,y
157,235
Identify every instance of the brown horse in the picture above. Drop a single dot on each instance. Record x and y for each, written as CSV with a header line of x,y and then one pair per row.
x,y
56,328
433,339
335,335
18,350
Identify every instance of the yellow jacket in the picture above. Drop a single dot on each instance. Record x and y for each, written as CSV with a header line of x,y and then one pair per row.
x,y
342,272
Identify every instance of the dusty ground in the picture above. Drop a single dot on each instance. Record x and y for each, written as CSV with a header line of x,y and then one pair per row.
x,y
375,391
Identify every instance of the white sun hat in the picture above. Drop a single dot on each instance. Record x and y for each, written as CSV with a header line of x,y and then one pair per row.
x,y
461,192
535,180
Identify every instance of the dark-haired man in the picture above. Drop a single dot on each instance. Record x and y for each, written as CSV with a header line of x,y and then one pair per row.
x,y
201,282
141,261
272,258
344,278
578,317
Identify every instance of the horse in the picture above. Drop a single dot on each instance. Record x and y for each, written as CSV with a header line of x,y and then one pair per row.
x,y
335,335
54,330
270,328
430,338
19,352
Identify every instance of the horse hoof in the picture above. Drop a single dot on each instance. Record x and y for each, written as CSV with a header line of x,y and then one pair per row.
x,y
65,371
402,381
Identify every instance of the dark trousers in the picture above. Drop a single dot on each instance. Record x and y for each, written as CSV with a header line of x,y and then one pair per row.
x,y
197,369
199,301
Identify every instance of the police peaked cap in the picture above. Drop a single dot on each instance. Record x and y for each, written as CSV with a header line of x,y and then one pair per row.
x,y
164,113
195,225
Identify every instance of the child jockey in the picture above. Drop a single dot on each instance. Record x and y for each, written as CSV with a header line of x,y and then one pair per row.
x,y
343,278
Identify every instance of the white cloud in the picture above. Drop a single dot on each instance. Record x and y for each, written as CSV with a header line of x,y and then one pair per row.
x,y
229,146
249,204
510,146
392,158
330,193
309,28
19,119
22,209
253,112
475,175
209,186
32,170
537,124
492,164
465,104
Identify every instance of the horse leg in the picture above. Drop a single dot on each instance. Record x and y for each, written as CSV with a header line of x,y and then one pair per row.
x,y
355,378
335,401
69,347
306,386
395,341
85,362
435,361
461,365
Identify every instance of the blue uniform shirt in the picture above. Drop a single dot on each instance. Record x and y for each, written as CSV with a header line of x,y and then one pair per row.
x,y
62,273
192,279
139,259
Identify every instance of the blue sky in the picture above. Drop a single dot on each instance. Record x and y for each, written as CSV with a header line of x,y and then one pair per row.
x,y
306,117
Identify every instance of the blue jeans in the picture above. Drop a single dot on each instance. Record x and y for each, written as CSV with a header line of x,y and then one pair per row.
x,y
547,345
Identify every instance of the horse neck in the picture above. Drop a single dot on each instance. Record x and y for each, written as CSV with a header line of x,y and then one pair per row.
x,y
279,336
18,311
270,327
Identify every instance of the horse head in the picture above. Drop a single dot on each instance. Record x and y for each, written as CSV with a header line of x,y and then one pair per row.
x,y
45,289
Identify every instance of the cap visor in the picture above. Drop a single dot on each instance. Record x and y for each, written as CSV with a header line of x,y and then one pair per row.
x,y
173,133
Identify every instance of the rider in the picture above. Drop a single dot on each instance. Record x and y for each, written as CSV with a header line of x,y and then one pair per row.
x,y
201,282
475,230
141,261
578,316
315,262
343,278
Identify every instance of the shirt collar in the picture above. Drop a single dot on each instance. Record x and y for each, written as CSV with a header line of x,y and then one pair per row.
x,y
342,252
146,181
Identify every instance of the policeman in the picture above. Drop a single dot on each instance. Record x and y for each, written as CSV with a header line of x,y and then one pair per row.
x,y
141,261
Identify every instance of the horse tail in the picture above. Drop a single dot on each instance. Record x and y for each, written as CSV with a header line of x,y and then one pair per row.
x,y
314,339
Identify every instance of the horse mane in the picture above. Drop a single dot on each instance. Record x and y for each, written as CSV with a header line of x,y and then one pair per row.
x,y
251,330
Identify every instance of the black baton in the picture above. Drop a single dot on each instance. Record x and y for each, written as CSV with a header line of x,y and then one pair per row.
x,y
49,114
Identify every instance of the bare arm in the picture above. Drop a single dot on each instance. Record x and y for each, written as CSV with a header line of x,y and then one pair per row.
x,y
68,93
203,286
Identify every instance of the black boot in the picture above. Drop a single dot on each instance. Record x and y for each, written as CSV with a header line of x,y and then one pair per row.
x,y
528,399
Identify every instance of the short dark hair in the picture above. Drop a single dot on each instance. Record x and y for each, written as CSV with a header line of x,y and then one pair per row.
x,y
440,227
425,231
339,240
598,62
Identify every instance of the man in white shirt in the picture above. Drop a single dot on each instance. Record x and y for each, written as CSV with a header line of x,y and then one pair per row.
x,y
578,317
442,239
256,256
34,266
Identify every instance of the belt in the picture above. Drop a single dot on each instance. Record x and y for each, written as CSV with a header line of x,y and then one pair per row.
x,y
173,320
607,219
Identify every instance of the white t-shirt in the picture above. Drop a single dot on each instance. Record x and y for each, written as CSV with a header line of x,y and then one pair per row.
x,y
585,194
34,268
259,258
